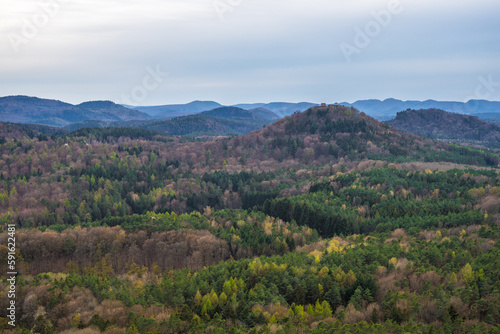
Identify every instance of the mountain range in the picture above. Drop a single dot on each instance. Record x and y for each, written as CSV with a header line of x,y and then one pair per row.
x,y
387,109
209,117
379,109
281,109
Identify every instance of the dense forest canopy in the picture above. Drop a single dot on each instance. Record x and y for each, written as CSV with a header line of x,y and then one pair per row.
x,y
324,221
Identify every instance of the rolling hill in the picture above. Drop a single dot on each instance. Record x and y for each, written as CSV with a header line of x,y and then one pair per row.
x,y
439,124
316,136
204,124
197,125
219,121
326,134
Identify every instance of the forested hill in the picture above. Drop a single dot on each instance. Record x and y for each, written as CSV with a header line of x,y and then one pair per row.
x,y
440,124
326,134
200,125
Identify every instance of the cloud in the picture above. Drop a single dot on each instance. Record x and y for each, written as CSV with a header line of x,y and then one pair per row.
x,y
259,50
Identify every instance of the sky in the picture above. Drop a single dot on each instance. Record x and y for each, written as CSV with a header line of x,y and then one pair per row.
x,y
154,52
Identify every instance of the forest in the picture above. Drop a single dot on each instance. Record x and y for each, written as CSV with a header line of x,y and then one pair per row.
x,y
325,221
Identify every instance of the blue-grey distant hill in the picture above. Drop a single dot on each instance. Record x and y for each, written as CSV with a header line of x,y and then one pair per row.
x,y
26,109
280,108
176,110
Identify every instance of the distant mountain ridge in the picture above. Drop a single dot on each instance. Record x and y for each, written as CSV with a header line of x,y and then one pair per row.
x,y
387,109
33,110
176,110
195,107
380,109
285,108
25,109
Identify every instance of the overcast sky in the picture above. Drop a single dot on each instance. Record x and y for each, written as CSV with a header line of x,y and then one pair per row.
x,y
235,51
